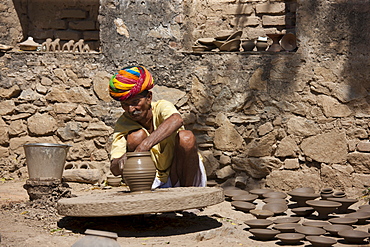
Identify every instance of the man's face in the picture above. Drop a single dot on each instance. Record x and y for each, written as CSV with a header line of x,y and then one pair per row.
x,y
137,107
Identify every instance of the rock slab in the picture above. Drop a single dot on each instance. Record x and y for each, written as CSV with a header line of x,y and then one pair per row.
x,y
126,203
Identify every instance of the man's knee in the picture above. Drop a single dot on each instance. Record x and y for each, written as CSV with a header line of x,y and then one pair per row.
x,y
135,138
187,139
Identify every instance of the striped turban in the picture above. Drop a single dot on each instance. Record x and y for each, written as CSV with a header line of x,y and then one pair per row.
x,y
129,82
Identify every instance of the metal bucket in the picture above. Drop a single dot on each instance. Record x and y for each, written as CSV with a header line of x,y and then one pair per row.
x,y
45,160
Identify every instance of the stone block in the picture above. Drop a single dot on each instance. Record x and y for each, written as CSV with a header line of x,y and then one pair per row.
x,y
41,124
225,172
363,147
8,93
246,21
265,128
360,162
238,9
291,164
90,35
82,25
268,20
90,176
6,107
270,8
68,35
73,13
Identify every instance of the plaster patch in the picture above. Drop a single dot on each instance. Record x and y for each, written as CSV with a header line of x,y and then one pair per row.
x,y
121,27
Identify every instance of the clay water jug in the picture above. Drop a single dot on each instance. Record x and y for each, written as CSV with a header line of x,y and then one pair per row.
x,y
139,171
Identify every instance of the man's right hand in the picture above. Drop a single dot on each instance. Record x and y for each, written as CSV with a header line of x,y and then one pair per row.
x,y
116,166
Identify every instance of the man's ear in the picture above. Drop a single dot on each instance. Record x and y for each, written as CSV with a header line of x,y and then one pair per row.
x,y
149,95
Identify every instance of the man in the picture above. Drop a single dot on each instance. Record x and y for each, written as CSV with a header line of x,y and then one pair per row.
x,y
153,126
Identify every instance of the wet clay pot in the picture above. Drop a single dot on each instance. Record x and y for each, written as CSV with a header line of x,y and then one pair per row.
x,y
139,171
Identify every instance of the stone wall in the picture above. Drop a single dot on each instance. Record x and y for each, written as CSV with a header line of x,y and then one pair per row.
x,y
280,120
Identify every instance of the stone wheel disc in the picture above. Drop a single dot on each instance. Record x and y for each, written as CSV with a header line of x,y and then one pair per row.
x,y
127,203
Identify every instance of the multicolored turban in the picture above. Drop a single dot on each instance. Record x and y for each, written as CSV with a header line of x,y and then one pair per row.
x,y
129,82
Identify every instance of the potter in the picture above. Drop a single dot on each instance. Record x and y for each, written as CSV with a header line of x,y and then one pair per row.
x,y
153,126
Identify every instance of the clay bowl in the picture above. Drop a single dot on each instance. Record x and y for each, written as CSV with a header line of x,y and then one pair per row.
x,y
303,211
275,194
364,208
302,197
261,214
290,238
334,229
323,207
206,41
275,200
245,197
318,241
243,206
304,190
354,236
317,223
264,234
346,203
229,193
286,227
260,192
361,216
258,223
339,194
287,220
310,230
231,45
344,221
218,43
235,35
276,208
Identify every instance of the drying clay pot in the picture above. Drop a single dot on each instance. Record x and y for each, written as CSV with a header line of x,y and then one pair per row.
x,y
275,200
260,192
302,197
339,194
286,227
139,171
361,216
287,220
243,206
310,230
304,189
290,238
248,45
264,234
326,193
258,223
275,194
230,192
261,214
323,207
344,221
245,197
319,224
318,241
231,45
276,208
29,45
303,211
275,46
354,236
334,229
346,203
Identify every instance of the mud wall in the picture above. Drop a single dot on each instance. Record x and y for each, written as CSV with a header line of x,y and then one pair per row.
x,y
282,120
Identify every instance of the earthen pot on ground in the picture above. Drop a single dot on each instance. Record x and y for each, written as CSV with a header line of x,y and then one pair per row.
x,y
326,193
139,171
244,197
302,197
260,192
264,234
323,207
346,203
275,200
276,208
310,230
304,189
258,223
334,229
316,223
361,216
248,45
354,236
275,194
290,238
261,214
286,227
303,211
343,221
287,220
319,241
230,193
339,194
243,206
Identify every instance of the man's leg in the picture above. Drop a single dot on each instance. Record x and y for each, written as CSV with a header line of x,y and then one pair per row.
x,y
185,164
134,138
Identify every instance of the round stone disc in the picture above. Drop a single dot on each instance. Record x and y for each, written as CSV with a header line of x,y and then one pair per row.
x,y
128,203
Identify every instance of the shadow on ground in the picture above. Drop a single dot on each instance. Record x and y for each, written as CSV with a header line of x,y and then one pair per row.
x,y
153,225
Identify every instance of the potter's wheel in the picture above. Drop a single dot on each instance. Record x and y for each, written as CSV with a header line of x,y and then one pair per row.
x,y
126,203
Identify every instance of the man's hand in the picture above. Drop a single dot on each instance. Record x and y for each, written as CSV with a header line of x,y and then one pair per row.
x,y
116,166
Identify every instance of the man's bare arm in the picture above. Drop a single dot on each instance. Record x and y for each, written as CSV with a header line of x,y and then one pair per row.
x,y
164,130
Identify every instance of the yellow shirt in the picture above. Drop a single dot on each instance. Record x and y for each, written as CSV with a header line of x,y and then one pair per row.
x,y
162,153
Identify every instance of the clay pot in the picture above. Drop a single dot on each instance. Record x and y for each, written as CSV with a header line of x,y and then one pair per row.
x,y
275,200
243,206
304,189
319,224
274,194
29,45
230,193
361,216
326,193
290,238
321,241
334,229
287,220
96,238
231,45
302,197
258,223
260,192
261,45
275,46
261,214
354,236
244,197
286,227
344,221
276,208
339,194
248,45
303,211
114,181
264,234
346,203
323,207
289,42
139,171
310,230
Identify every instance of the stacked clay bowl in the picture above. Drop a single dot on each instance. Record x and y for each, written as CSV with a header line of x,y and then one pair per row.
x,y
286,227
258,223
260,192
354,236
334,229
290,238
321,241
323,207
302,197
303,211
261,214
264,234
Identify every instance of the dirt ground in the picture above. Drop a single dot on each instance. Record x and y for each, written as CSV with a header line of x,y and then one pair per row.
x,y
26,224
